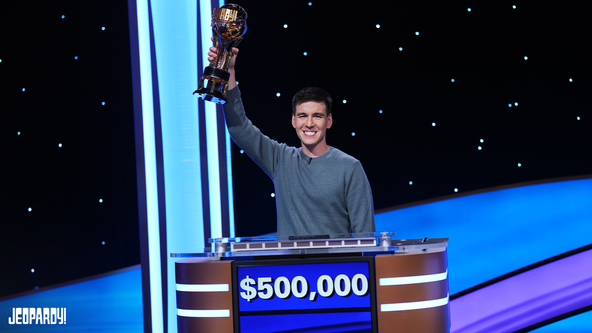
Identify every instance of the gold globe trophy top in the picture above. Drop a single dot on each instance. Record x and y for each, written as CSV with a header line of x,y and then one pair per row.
x,y
230,21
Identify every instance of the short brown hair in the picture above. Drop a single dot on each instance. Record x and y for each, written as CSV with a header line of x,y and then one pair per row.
x,y
312,94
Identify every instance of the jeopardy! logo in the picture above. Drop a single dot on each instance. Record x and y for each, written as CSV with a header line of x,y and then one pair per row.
x,y
38,316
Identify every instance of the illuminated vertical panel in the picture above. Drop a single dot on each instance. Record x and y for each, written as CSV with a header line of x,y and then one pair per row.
x,y
175,43
229,175
205,19
229,172
149,141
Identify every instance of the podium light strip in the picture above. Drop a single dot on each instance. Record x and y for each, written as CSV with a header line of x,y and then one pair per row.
x,y
304,244
397,281
203,287
203,313
414,305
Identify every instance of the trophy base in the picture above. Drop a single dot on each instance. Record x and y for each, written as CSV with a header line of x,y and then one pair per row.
x,y
206,95
215,90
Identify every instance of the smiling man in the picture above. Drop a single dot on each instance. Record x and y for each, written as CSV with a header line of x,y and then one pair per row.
x,y
319,189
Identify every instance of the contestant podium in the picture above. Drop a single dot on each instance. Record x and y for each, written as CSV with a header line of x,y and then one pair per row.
x,y
368,282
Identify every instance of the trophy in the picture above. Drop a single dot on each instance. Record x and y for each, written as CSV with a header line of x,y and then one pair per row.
x,y
229,24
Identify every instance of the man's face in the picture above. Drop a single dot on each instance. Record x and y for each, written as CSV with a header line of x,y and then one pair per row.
x,y
311,123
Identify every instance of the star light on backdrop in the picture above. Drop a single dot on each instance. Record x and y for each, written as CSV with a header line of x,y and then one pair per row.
x,y
57,107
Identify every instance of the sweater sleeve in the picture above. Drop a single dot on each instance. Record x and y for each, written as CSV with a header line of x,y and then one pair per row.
x,y
259,147
359,202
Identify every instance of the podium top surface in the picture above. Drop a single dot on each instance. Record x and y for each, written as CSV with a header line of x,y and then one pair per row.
x,y
301,237
373,242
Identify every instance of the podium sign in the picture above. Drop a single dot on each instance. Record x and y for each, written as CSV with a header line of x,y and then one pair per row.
x,y
311,295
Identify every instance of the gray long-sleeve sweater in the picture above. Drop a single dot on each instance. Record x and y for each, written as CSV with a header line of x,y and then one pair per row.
x,y
329,194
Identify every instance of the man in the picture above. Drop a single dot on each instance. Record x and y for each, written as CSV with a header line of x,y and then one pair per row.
x,y
319,190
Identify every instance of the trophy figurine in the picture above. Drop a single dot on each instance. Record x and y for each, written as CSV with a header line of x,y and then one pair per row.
x,y
229,24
